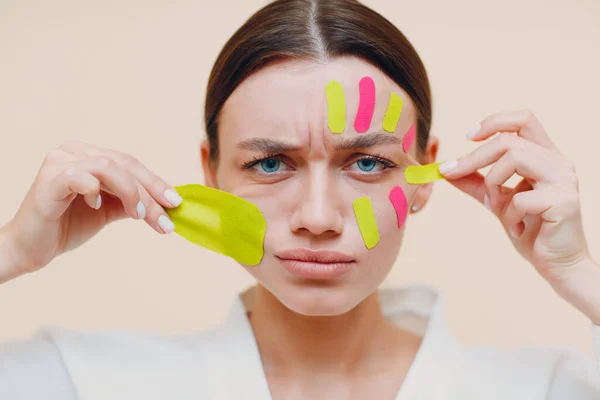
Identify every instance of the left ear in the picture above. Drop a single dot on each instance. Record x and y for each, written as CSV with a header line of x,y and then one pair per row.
x,y
209,167
424,192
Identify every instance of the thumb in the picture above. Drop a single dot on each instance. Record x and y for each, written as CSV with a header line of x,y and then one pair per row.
x,y
473,185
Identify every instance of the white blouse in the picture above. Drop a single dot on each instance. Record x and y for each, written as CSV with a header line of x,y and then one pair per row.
x,y
224,363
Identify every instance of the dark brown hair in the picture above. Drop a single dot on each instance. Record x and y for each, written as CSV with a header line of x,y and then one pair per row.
x,y
316,30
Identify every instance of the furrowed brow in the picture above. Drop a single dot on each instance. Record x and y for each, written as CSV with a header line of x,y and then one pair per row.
x,y
364,141
267,145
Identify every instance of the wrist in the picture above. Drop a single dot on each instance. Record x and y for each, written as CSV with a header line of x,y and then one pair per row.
x,y
9,260
581,288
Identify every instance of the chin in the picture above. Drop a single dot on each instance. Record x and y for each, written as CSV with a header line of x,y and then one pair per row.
x,y
318,299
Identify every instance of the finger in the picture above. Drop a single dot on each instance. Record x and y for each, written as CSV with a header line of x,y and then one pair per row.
x,y
159,189
156,216
523,186
159,219
491,151
116,179
553,205
472,184
72,181
516,161
523,122
57,157
64,187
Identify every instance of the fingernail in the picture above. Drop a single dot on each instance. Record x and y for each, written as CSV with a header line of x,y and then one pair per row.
x,y
473,131
447,166
141,210
513,232
486,202
98,202
165,224
173,197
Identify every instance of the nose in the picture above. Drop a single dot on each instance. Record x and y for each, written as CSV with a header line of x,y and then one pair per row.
x,y
319,206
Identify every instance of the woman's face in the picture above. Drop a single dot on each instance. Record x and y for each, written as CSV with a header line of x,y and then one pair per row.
x,y
277,151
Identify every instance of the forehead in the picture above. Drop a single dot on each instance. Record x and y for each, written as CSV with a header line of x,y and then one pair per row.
x,y
287,99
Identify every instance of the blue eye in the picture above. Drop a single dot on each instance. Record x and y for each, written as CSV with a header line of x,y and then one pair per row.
x,y
270,165
370,165
366,164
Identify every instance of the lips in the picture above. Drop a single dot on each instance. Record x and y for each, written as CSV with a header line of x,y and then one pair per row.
x,y
316,264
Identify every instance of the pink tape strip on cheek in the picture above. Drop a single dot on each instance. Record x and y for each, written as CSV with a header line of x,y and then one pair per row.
x,y
409,138
366,106
398,199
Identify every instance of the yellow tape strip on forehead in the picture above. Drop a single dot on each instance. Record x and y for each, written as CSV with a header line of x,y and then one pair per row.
x,y
421,174
336,107
367,224
221,222
392,115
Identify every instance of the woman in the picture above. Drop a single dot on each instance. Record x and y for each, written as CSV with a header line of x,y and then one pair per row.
x,y
315,325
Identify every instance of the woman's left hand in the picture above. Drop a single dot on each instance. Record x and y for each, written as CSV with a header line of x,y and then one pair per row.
x,y
542,213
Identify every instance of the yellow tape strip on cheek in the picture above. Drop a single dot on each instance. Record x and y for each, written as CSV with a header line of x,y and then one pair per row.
x,y
336,107
422,174
392,115
221,222
367,224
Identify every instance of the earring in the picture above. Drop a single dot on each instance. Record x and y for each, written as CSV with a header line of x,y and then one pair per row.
x,y
415,208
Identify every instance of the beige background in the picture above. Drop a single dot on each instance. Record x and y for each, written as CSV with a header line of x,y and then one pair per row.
x,y
131,75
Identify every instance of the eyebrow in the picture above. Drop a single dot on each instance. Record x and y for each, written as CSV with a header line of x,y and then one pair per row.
x,y
364,141
268,145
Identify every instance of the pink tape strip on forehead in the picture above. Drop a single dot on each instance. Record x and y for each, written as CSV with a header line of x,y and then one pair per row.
x,y
366,106
400,203
409,138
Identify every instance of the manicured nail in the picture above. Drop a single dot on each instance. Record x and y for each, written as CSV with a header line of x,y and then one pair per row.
x,y
447,166
98,202
173,197
165,224
473,131
141,210
486,202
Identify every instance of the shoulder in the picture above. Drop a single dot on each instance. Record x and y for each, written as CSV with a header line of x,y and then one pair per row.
x,y
117,348
98,364
531,372
34,359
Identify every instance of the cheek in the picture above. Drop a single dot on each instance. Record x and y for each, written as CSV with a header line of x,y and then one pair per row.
x,y
391,206
380,259
387,221
276,210
280,201
400,203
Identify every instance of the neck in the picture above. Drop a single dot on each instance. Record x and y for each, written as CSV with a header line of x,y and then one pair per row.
x,y
289,341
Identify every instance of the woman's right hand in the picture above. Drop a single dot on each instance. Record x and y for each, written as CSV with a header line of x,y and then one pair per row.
x,y
78,190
